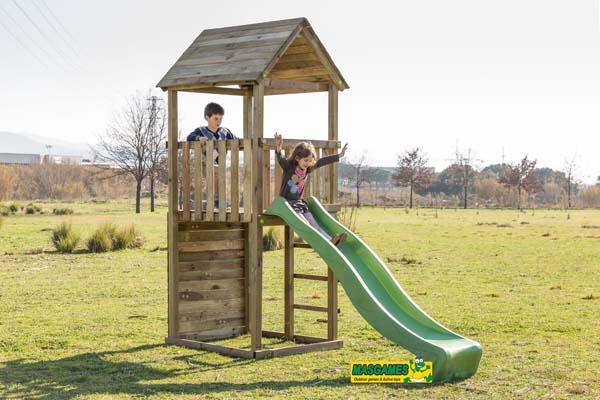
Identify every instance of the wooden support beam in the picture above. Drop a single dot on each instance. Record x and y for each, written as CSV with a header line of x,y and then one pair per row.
x,y
254,228
332,135
311,277
289,283
218,90
172,215
304,348
308,307
332,305
324,144
301,245
224,350
283,86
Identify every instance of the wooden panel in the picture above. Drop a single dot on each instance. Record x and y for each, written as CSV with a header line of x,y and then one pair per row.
x,y
245,32
222,333
289,65
210,255
211,245
233,285
172,214
210,305
259,25
298,49
216,274
241,39
187,327
331,144
186,190
298,72
248,194
211,315
210,186
321,52
212,234
197,180
290,57
211,265
203,226
266,171
309,307
235,181
220,294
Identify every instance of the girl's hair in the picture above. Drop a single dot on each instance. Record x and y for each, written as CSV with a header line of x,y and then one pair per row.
x,y
302,150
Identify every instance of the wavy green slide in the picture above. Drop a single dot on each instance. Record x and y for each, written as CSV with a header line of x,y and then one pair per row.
x,y
378,297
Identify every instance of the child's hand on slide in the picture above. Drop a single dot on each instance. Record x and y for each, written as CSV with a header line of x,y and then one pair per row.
x,y
343,152
278,141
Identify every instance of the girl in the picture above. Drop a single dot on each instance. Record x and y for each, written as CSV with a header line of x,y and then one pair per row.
x,y
296,169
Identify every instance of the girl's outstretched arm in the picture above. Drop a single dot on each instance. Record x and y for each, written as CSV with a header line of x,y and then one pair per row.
x,y
331,159
283,162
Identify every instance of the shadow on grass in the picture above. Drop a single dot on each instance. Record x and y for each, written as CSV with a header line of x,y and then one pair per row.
x,y
95,373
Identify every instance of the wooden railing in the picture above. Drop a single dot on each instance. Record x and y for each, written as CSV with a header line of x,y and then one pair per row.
x,y
225,187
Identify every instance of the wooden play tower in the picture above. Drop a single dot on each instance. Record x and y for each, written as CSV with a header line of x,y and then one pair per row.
x,y
215,259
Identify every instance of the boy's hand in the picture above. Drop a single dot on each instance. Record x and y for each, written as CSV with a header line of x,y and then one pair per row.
x,y
201,139
278,141
343,152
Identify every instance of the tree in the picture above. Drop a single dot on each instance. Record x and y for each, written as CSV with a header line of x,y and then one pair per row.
x,y
521,176
412,172
156,144
358,174
126,143
569,171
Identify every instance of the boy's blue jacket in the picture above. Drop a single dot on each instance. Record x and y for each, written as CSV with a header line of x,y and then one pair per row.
x,y
203,131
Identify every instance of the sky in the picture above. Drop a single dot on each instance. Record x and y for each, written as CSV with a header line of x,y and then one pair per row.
x,y
500,78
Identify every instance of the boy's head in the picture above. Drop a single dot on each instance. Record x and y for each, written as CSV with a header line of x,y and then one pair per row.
x,y
213,114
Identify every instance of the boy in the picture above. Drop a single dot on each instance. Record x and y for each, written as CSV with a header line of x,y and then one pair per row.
x,y
213,114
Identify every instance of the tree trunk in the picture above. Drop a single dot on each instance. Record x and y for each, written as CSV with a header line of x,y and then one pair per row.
x,y
410,202
519,197
569,190
152,192
357,196
465,196
138,194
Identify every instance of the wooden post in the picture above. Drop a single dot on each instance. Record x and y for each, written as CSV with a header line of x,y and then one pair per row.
x,y
172,214
247,192
333,135
288,285
254,227
332,292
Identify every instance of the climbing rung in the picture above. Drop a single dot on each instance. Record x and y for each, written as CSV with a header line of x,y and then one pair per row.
x,y
311,277
301,245
310,308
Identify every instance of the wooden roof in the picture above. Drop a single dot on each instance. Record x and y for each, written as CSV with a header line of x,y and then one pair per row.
x,y
286,50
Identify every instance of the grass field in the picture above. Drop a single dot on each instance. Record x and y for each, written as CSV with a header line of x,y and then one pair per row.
x,y
91,326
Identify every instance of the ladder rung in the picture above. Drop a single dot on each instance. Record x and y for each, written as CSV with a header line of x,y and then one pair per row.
x,y
311,277
310,308
302,245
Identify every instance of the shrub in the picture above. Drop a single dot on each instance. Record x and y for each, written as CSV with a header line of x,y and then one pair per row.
x,y
62,211
13,208
102,239
29,210
125,238
4,211
271,240
64,238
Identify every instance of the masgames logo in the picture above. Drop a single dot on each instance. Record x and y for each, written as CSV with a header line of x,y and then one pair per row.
x,y
411,371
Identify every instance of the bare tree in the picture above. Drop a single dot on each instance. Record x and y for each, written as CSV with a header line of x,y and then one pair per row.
x,y
569,171
156,145
358,176
126,143
412,172
521,176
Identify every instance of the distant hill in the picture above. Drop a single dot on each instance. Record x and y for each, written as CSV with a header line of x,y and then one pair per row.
x,y
33,144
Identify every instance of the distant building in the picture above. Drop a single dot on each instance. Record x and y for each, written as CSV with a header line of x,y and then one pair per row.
x,y
29,159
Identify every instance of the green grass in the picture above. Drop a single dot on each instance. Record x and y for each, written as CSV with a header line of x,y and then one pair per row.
x,y
91,326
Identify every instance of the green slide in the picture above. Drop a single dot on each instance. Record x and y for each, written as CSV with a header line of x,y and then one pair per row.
x,y
378,297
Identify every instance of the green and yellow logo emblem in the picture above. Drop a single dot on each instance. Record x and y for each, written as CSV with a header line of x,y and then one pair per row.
x,y
411,371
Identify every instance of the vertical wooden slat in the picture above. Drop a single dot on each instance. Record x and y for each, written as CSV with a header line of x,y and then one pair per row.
x,y
254,227
235,181
316,178
247,180
278,175
266,170
186,189
326,178
222,173
172,215
197,181
210,186
289,284
333,135
247,114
